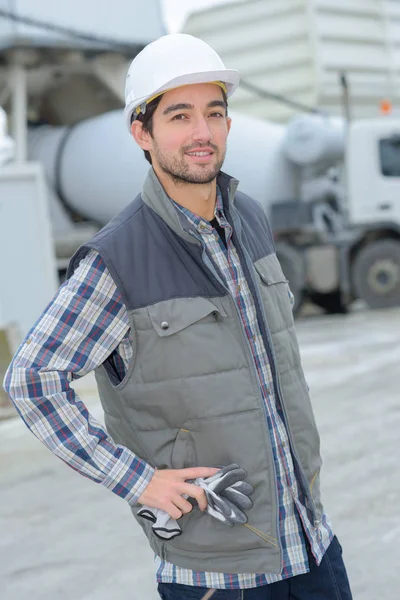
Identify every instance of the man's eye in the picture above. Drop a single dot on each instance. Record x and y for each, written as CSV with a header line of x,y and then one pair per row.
x,y
179,117
217,114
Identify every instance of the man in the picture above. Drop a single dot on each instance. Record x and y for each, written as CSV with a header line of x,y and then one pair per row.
x,y
181,307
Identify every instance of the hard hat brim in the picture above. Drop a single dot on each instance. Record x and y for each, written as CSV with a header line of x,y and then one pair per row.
x,y
230,77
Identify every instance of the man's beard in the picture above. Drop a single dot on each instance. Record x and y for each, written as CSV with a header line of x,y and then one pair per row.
x,y
181,173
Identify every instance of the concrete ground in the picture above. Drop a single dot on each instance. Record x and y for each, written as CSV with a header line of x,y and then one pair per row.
x,y
62,537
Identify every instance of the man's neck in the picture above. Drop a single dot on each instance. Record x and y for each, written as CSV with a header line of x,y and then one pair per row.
x,y
199,198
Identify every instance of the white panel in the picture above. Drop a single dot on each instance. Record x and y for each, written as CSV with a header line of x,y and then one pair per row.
x,y
349,6
27,262
392,8
393,63
353,56
263,58
393,29
239,13
229,41
351,27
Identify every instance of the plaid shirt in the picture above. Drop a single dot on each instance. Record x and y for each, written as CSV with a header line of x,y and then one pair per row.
x,y
87,323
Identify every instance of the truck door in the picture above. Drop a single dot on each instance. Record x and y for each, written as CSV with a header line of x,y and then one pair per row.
x,y
388,192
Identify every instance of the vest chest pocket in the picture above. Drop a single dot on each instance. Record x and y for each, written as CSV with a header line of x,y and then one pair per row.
x,y
277,297
173,316
184,339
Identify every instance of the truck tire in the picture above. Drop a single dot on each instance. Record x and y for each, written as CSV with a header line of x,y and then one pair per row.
x,y
376,274
293,266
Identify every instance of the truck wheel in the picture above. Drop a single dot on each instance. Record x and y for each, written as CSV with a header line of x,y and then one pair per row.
x,y
376,274
293,266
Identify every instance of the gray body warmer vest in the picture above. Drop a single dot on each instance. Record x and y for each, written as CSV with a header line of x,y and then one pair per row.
x,y
191,396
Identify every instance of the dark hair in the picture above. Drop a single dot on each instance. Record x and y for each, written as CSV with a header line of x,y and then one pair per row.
x,y
147,118
147,121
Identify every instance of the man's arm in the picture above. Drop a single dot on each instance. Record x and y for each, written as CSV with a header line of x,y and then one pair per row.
x,y
79,329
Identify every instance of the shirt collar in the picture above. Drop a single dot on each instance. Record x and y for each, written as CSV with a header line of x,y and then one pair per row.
x,y
198,223
154,196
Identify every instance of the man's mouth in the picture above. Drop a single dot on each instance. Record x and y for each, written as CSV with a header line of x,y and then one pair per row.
x,y
199,153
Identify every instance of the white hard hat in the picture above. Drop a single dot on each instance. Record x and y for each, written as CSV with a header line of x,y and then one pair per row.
x,y
172,61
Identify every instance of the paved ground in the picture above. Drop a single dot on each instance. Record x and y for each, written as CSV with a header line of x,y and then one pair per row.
x,y
64,538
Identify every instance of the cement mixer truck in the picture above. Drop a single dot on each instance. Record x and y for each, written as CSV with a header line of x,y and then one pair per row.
x,y
330,189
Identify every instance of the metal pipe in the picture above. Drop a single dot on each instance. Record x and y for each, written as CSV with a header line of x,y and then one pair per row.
x,y
19,111
346,101
4,95
256,89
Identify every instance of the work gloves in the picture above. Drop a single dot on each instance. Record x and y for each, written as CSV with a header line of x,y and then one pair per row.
x,y
228,496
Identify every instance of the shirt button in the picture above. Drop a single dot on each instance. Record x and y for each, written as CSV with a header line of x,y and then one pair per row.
x,y
283,444
317,523
164,325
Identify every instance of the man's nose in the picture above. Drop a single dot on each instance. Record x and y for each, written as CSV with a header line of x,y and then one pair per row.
x,y
202,131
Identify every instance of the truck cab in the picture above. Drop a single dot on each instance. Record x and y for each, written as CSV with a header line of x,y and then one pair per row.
x,y
373,206
373,172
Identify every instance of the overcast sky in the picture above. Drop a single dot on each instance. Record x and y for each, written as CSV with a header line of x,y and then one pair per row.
x,y
176,11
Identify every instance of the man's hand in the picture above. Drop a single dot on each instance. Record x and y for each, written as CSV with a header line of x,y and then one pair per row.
x,y
167,487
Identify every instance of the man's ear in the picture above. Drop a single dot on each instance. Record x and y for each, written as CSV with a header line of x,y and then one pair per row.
x,y
229,123
142,137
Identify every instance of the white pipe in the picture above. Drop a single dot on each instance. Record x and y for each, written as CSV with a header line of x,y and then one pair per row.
x,y
19,111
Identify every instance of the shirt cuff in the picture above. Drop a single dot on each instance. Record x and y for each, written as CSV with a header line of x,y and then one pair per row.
x,y
129,477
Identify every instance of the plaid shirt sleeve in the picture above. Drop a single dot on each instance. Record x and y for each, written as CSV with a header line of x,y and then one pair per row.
x,y
79,329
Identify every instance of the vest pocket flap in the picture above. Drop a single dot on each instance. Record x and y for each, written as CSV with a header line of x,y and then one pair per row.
x,y
270,272
172,316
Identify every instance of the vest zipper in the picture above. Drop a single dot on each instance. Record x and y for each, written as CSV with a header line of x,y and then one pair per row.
x,y
275,374
254,373
280,398
306,486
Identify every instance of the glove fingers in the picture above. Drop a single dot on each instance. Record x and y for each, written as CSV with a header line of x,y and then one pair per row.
x,y
237,516
150,514
228,479
227,509
218,503
222,471
243,487
163,526
169,532
237,498
217,515
227,494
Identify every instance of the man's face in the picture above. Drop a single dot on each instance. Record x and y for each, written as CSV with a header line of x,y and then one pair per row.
x,y
190,128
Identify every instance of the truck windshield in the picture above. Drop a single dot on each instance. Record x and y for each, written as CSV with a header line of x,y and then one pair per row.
x,y
389,150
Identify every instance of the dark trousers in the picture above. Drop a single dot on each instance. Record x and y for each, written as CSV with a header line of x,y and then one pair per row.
x,y
327,582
